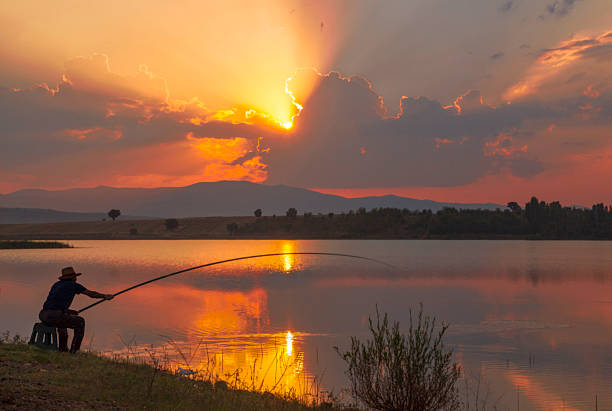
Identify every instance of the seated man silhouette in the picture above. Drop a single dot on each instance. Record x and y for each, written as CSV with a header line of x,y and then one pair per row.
x,y
56,310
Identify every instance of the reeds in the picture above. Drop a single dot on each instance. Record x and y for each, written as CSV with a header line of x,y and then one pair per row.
x,y
281,376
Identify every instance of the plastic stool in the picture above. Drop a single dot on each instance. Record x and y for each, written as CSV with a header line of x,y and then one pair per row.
x,y
44,336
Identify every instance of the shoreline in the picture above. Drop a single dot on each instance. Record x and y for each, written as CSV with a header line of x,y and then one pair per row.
x,y
251,228
32,378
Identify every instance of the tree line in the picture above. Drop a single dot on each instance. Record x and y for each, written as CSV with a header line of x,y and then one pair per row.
x,y
536,220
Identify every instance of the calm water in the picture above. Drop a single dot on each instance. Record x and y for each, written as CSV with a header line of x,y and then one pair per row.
x,y
531,320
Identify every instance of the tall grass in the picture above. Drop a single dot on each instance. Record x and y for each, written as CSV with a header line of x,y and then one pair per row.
x,y
281,375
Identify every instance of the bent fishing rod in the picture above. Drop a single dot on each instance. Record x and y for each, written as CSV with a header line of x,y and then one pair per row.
x,y
161,277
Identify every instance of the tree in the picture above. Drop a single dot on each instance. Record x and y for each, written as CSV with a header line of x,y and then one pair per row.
x,y
257,213
114,214
395,371
292,213
533,213
514,206
171,224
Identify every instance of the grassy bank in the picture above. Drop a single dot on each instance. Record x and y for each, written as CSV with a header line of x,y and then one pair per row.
x,y
14,244
31,378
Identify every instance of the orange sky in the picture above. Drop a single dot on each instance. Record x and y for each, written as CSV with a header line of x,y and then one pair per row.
x,y
150,95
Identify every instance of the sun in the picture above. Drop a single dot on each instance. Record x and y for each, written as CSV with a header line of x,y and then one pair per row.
x,y
287,124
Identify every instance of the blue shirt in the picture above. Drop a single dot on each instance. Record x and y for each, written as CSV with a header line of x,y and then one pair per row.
x,y
61,295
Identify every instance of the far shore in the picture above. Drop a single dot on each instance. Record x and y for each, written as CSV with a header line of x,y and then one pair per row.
x,y
214,228
28,244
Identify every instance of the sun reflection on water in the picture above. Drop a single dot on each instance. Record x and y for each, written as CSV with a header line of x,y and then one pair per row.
x,y
289,339
288,260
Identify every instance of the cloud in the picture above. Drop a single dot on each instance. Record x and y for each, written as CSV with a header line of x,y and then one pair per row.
x,y
94,116
560,8
99,127
344,138
508,5
497,56
568,61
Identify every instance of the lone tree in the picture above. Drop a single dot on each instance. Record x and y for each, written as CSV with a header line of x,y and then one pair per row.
x,y
114,214
292,212
171,224
395,371
257,213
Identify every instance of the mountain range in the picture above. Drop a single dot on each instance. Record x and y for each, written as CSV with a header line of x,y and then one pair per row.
x,y
223,198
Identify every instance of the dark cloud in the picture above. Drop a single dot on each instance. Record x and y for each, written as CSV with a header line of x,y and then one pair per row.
x,y
524,46
497,56
343,139
508,5
560,8
600,52
94,115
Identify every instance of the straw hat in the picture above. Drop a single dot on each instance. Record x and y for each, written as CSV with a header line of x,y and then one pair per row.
x,y
68,273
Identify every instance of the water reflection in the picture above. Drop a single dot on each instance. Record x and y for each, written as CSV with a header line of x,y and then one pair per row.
x,y
534,318
289,339
288,260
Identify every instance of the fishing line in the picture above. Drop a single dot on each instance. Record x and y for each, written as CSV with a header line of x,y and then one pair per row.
x,y
230,260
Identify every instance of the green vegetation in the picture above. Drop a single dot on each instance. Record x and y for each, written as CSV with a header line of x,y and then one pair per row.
x,y
13,245
31,378
395,371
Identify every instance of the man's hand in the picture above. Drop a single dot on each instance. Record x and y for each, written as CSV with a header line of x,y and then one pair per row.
x,y
108,296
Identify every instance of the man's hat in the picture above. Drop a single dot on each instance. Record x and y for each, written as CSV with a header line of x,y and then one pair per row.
x,y
68,273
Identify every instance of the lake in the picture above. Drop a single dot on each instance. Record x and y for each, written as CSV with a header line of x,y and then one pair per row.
x,y
532,321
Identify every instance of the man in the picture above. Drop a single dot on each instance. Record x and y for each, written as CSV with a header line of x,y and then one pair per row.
x,y
56,310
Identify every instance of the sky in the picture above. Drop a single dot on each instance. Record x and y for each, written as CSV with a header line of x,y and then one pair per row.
x,y
450,100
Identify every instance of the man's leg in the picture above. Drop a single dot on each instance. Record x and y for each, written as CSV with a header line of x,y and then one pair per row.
x,y
62,334
78,324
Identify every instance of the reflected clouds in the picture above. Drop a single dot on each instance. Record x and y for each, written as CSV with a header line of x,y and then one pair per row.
x,y
253,318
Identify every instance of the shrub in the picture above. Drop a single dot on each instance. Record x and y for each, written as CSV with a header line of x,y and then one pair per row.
x,y
171,224
395,371
133,231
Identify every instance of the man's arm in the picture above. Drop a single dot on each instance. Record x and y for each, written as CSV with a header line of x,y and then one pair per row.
x,y
95,294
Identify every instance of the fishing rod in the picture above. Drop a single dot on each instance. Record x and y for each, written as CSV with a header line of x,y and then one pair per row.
x,y
161,277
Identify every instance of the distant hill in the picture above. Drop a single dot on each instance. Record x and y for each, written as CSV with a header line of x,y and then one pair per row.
x,y
223,198
39,215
